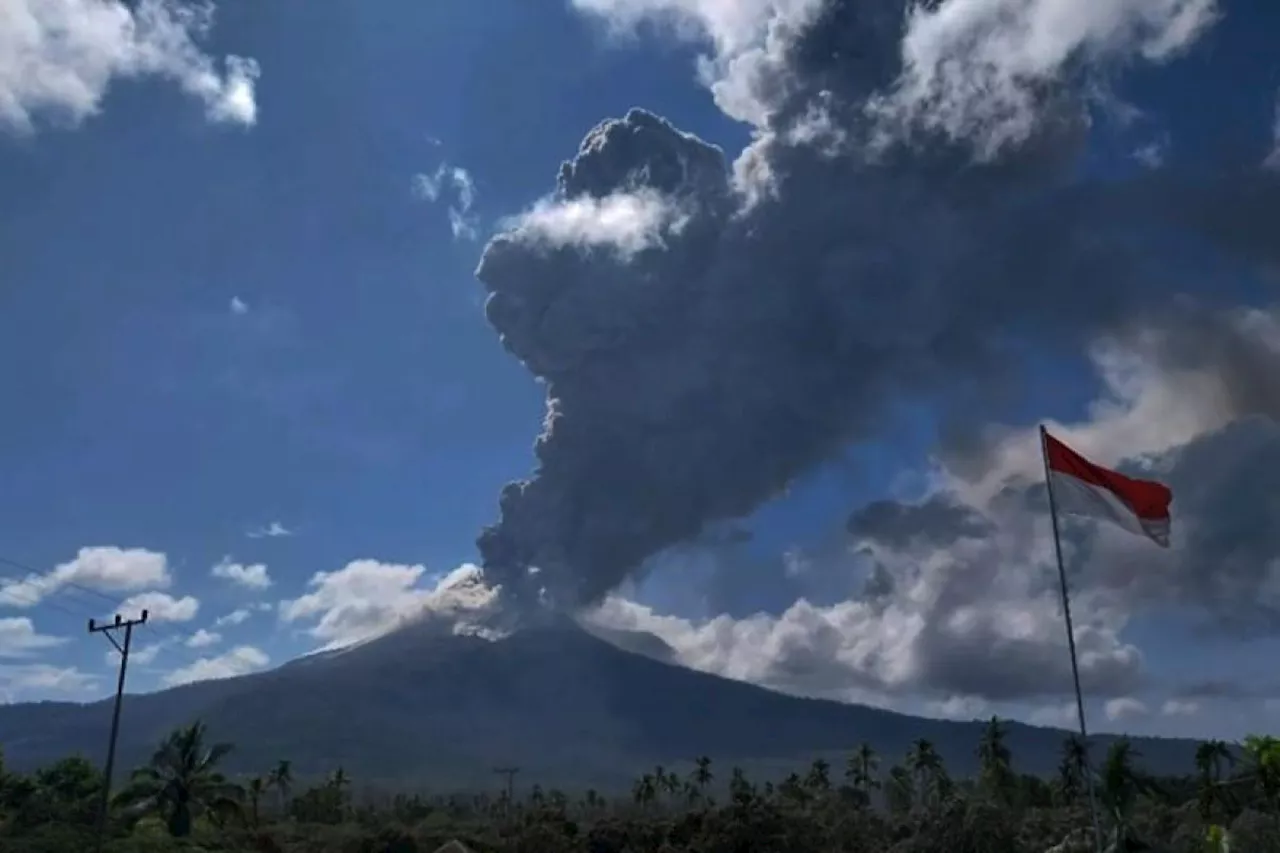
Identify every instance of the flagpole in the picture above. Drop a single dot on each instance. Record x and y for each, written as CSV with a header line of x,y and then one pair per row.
x,y
1071,639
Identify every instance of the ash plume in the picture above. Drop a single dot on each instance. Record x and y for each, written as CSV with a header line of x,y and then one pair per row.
x,y
707,332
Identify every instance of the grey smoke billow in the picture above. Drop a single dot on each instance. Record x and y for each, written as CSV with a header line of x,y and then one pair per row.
x,y
691,381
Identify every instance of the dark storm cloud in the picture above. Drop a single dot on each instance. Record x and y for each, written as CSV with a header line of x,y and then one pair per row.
x,y
935,521
693,379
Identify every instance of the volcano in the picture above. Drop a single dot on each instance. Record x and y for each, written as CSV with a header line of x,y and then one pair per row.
x,y
570,708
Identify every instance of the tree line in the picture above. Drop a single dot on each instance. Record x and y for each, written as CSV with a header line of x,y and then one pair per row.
x,y
181,800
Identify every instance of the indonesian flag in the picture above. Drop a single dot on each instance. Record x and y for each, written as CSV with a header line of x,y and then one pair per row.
x,y
1083,488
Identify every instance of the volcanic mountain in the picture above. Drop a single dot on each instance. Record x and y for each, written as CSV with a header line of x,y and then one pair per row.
x,y
569,707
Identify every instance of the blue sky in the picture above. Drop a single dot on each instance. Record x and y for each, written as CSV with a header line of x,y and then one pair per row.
x,y
254,344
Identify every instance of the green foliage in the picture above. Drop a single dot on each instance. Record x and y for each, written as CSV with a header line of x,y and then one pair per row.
x,y
180,803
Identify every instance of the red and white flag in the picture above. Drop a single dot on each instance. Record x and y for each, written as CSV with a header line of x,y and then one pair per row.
x,y
1083,488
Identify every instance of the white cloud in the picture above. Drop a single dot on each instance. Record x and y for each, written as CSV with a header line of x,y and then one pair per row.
x,y
747,38
160,607
58,58
106,568
1063,715
238,661
141,655
1125,707
203,639
367,598
1179,708
627,222
24,681
458,182
19,638
235,617
239,306
960,708
271,531
975,67
252,576
970,68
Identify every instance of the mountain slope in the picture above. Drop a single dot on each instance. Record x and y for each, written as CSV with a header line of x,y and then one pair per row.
x,y
566,706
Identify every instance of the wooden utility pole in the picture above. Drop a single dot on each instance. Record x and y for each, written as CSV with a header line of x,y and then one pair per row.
x,y
107,631
510,773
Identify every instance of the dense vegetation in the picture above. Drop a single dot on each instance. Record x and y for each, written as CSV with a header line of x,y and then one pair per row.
x,y
180,801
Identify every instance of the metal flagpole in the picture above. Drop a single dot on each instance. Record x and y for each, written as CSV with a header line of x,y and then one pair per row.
x,y
1071,639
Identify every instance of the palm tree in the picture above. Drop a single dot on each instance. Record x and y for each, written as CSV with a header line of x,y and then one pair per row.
x,y
1121,783
930,775
254,790
1210,756
818,779
995,761
644,790
180,781
860,772
899,791
281,778
702,774
1263,755
1072,768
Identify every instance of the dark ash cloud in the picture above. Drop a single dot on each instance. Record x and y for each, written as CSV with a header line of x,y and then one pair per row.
x,y
935,521
752,326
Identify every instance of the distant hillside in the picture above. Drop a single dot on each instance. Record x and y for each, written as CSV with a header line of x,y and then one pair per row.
x,y
567,706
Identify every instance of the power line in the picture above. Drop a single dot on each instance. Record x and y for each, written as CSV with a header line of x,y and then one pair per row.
x,y
510,773
165,637
107,630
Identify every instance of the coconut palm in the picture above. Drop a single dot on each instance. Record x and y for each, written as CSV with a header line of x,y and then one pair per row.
x,y
645,790
932,782
860,772
1262,752
281,779
1121,783
181,782
702,774
1072,768
1210,757
819,777
254,791
995,761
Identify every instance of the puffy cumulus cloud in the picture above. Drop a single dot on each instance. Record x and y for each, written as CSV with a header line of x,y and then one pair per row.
x,y
106,568
1125,707
58,58
160,607
831,272
19,638
1180,708
20,682
367,598
627,222
979,70
455,183
235,617
203,639
249,576
240,660
143,655
952,627
984,71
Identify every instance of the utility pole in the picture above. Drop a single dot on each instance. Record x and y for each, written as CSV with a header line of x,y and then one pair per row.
x,y
510,773
107,631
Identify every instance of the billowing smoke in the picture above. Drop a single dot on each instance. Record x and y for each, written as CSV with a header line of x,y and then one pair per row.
x,y
708,331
